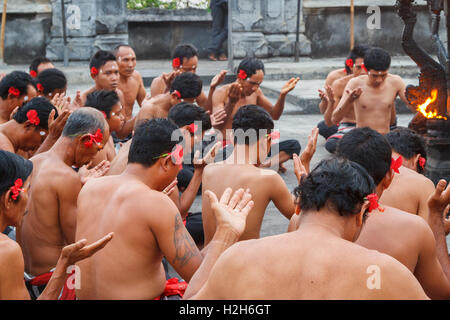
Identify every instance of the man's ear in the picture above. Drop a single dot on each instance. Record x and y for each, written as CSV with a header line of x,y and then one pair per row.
x,y
360,215
84,138
28,126
166,163
387,180
174,99
7,201
416,160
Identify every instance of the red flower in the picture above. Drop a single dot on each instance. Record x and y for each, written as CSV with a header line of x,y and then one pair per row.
x,y
242,74
373,201
363,67
422,162
193,128
104,114
14,92
40,87
275,135
349,63
16,188
396,164
176,63
33,73
177,155
33,117
97,138
94,71
177,93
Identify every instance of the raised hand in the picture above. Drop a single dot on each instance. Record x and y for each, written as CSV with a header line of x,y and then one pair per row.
x,y
232,210
235,92
208,158
86,173
76,103
299,169
170,188
439,199
310,149
330,94
56,126
169,77
218,79
354,94
218,117
78,251
289,86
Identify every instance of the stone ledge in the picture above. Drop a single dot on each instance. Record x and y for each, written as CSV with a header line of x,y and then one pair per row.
x,y
161,15
358,3
27,7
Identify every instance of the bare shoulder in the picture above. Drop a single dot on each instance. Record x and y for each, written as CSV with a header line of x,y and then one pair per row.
x,y
10,254
5,143
137,75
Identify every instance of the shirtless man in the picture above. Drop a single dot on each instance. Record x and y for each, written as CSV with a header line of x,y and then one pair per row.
x,y
105,72
317,261
108,103
51,82
409,190
241,170
15,171
326,129
51,220
186,87
16,89
130,82
334,94
185,59
244,91
404,236
38,65
372,96
145,222
28,128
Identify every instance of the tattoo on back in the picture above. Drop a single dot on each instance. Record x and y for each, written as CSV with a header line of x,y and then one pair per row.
x,y
184,245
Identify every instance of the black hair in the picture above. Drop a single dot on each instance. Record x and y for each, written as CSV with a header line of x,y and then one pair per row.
x,y
42,106
100,58
339,184
250,66
17,79
51,80
251,117
368,148
102,100
184,114
377,59
185,50
358,51
188,84
13,167
36,62
151,139
83,121
407,143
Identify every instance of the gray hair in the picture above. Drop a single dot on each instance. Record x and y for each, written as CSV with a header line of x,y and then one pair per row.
x,y
82,121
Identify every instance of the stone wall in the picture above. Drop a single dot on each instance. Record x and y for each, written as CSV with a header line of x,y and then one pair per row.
x,y
266,28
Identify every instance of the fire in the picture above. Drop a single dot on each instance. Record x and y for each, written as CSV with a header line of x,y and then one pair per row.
x,y
422,108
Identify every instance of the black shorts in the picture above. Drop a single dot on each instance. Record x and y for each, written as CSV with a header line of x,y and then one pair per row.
x,y
288,146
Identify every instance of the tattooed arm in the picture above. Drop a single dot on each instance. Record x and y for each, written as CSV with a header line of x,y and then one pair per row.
x,y
174,240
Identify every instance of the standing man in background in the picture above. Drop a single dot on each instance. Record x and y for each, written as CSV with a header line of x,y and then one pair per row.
x,y
219,12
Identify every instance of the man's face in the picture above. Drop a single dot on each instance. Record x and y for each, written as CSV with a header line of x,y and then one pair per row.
x,y
357,67
23,99
189,65
33,137
126,60
252,84
116,118
43,66
108,76
376,78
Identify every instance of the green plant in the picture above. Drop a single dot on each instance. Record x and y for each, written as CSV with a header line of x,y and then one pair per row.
x,y
167,4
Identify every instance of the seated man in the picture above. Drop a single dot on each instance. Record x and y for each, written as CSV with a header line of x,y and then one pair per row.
x,y
51,220
409,190
108,103
372,96
130,81
51,82
146,223
14,181
16,89
105,72
252,126
38,65
185,59
317,261
245,91
28,128
403,236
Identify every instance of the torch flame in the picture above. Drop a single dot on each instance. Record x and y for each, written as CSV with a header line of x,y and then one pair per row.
x,y
422,108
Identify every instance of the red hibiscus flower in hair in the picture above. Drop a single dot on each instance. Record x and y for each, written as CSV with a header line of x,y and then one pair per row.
x,y
396,164
193,128
422,162
40,87
363,67
373,202
16,188
275,135
33,117
177,155
33,73
177,93
97,138
349,63
242,74
14,91
94,71
176,63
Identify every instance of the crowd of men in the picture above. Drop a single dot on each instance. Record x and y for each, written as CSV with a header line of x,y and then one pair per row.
x,y
96,199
